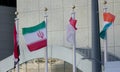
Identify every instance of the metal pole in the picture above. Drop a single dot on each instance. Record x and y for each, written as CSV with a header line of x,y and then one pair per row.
x,y
96,51
64,66
105,49
17,28
25,66
46,49
38,65
105,40
74,44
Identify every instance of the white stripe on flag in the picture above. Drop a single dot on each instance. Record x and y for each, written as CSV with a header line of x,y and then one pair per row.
x,y
35,36
70,34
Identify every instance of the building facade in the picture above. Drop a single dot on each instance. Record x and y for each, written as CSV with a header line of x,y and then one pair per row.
x,y
32,13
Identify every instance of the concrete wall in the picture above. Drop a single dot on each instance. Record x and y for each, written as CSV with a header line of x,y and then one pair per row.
x,y
32,12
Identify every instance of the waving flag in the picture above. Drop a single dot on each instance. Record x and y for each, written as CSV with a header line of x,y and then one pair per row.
x,y
71,30
108,20
35,36
16,47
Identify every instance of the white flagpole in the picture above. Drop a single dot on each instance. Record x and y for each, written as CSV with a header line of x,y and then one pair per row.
x,y
46,49
105,49
105,40
74,43
17,29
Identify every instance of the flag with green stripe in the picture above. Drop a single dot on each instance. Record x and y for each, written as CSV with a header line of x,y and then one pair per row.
x,y
108,20
35,37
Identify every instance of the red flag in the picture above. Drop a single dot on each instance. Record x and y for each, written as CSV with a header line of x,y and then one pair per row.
x,y
108,17
73,22
16,47
71,30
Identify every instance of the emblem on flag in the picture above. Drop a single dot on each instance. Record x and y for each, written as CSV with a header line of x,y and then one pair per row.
x,y
35,37
40,34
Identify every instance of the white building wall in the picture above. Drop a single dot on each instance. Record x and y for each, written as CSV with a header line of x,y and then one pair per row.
x,y
32,12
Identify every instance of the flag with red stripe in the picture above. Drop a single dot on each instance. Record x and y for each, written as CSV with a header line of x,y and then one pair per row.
x,y
71,30
16,47
35,37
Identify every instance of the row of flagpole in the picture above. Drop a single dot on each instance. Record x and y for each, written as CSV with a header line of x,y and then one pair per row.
x,y
46,49
72,23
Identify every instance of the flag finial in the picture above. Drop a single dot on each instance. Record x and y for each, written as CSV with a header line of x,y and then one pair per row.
x,y
46,9
73,7
105,6
16,13
105,2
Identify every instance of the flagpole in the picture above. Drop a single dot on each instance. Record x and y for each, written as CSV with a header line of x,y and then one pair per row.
x,y
105,49
17,28
74,43
105,40
46,49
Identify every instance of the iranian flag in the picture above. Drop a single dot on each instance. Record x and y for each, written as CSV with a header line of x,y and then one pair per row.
x,y
108,21
71,28
35,37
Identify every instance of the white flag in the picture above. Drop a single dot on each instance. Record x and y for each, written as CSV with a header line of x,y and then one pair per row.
x,y
71,30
